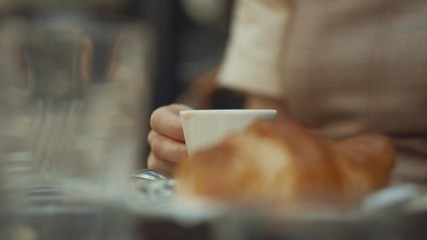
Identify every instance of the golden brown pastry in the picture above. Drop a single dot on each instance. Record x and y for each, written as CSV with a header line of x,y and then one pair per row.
x,y
284,165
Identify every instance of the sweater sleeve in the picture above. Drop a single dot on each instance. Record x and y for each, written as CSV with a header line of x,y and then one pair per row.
x,y
252,62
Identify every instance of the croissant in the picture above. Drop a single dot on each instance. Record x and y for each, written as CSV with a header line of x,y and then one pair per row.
x,y
286,165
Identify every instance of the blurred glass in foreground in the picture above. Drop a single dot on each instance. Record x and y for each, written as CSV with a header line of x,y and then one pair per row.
x,y
72,97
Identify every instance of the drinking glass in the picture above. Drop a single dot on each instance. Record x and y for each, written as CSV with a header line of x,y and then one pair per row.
x,y
73,94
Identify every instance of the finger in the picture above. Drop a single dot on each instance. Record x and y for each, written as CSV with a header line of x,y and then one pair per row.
x,y
165,120
166,148
158,165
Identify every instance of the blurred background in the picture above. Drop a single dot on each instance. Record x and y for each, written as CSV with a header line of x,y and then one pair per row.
x,y
183,41
78,82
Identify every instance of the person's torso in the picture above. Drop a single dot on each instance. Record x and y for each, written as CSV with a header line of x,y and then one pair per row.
x,y
361,66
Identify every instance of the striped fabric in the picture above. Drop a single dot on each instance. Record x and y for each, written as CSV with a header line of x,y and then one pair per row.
x,y
361,66
347,67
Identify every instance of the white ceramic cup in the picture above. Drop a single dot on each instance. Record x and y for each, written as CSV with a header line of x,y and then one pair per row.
x,y
204,128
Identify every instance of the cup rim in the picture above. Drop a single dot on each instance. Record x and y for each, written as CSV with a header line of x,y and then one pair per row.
x,y
237,111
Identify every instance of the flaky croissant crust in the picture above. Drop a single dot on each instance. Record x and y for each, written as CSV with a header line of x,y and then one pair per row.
x,y
283,164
